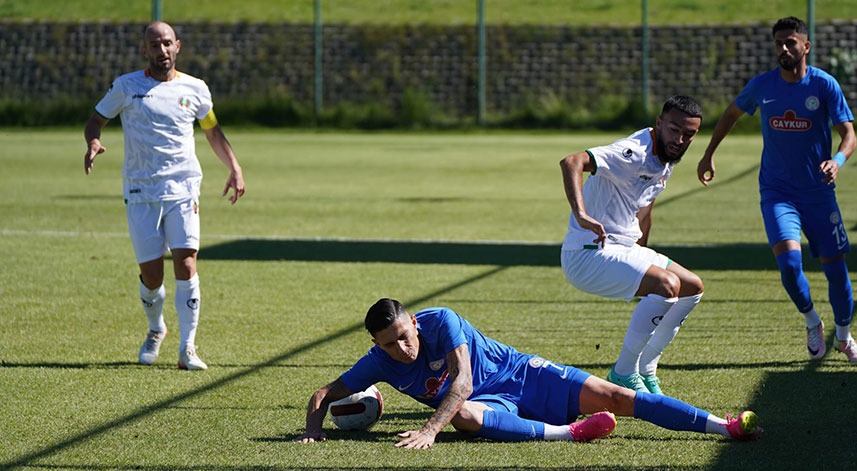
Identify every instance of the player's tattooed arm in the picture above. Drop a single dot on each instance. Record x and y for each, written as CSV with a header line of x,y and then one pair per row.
x,y
460,388
317,409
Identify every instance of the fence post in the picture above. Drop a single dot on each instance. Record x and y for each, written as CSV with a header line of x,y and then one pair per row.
x,y
157,10
644,73
317,31
810,22
480,81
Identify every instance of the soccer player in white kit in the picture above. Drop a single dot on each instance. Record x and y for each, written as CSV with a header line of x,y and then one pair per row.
x,y
605,253
161,180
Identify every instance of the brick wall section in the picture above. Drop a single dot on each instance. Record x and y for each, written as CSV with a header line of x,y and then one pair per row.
x,y
378,63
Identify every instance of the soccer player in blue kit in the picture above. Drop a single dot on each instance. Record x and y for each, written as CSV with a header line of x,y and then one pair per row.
x,y
493,391
797,175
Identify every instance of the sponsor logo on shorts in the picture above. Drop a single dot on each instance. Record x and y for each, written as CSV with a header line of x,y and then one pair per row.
x,y
834,217
657,320
135,190
193,303
627,153
789,122
812,103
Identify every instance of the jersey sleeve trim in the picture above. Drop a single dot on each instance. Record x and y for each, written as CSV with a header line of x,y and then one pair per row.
x,y
209,121
99,114
593,162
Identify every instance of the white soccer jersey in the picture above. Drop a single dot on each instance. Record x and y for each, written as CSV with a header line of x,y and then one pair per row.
x,y
628,177
157,118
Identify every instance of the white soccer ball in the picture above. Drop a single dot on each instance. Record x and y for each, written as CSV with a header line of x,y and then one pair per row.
x,y
358,411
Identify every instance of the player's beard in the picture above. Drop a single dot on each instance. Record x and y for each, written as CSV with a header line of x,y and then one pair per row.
x,y
788,62
665,151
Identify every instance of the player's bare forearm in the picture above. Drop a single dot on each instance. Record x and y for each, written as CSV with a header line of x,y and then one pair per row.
x,y
705,168
317,409
461,387
221,147
92,135
849,141
573,167
645,218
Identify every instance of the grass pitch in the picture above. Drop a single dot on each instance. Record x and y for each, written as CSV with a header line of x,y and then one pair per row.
x,y
330,223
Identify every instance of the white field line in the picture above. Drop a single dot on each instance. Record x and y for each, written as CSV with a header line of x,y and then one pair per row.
x,y
76,234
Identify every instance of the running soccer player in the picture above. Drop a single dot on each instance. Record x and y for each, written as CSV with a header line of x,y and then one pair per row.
x,y
161,179
797,176
493,391
605,253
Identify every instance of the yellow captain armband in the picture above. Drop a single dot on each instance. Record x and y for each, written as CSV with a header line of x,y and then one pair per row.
x,y
209,121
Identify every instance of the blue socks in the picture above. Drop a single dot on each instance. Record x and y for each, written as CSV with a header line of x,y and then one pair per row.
x,y
669,413
839,291
508,427
791,273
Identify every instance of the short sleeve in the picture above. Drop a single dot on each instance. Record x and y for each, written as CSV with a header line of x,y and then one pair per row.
x,y
837,107
114,101
205,103
363,374
747,100
450,333
614,161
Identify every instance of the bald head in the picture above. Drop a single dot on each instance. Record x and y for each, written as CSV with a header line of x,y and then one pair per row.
x,y
160,47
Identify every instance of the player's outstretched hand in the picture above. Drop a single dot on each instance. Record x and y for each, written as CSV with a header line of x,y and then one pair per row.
x,y
416,439
94,149
236,182
830,170
705,170
587,222
312,438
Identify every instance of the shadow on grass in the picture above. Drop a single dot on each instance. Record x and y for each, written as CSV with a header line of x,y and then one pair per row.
x,y
717,257
808,418
142,412
809,421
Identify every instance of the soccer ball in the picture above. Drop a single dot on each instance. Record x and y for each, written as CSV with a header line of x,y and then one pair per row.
x,y
358,411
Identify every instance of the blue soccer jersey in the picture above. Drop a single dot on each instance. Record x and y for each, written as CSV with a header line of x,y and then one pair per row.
x,y
795,127
441,331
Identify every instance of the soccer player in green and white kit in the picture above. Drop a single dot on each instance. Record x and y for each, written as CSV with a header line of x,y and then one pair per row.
x,y
605,253
161,180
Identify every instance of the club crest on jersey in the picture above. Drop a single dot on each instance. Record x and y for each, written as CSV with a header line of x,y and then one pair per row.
x,y
812,103
537,362
834,218
435,365
184,102
790,122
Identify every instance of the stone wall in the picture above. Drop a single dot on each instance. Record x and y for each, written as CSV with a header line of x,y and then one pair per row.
x,y
378,63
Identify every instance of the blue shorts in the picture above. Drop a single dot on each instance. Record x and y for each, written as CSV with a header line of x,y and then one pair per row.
x,y
820,221
539,390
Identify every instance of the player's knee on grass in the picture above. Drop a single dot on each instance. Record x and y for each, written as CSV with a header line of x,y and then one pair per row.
x,y
469,417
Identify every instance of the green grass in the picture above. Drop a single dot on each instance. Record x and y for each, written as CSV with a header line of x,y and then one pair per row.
x,y
434,11
282,312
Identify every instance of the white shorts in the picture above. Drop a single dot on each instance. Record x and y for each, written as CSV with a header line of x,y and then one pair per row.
x,y
156,227
612,272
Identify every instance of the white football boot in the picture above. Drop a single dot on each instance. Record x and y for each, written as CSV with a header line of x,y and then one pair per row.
x,y
188,359
151,346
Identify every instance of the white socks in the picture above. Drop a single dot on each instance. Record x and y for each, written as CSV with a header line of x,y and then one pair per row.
x,y
187,308
153,306
557,432
665,332
811,318
646,316
715,424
